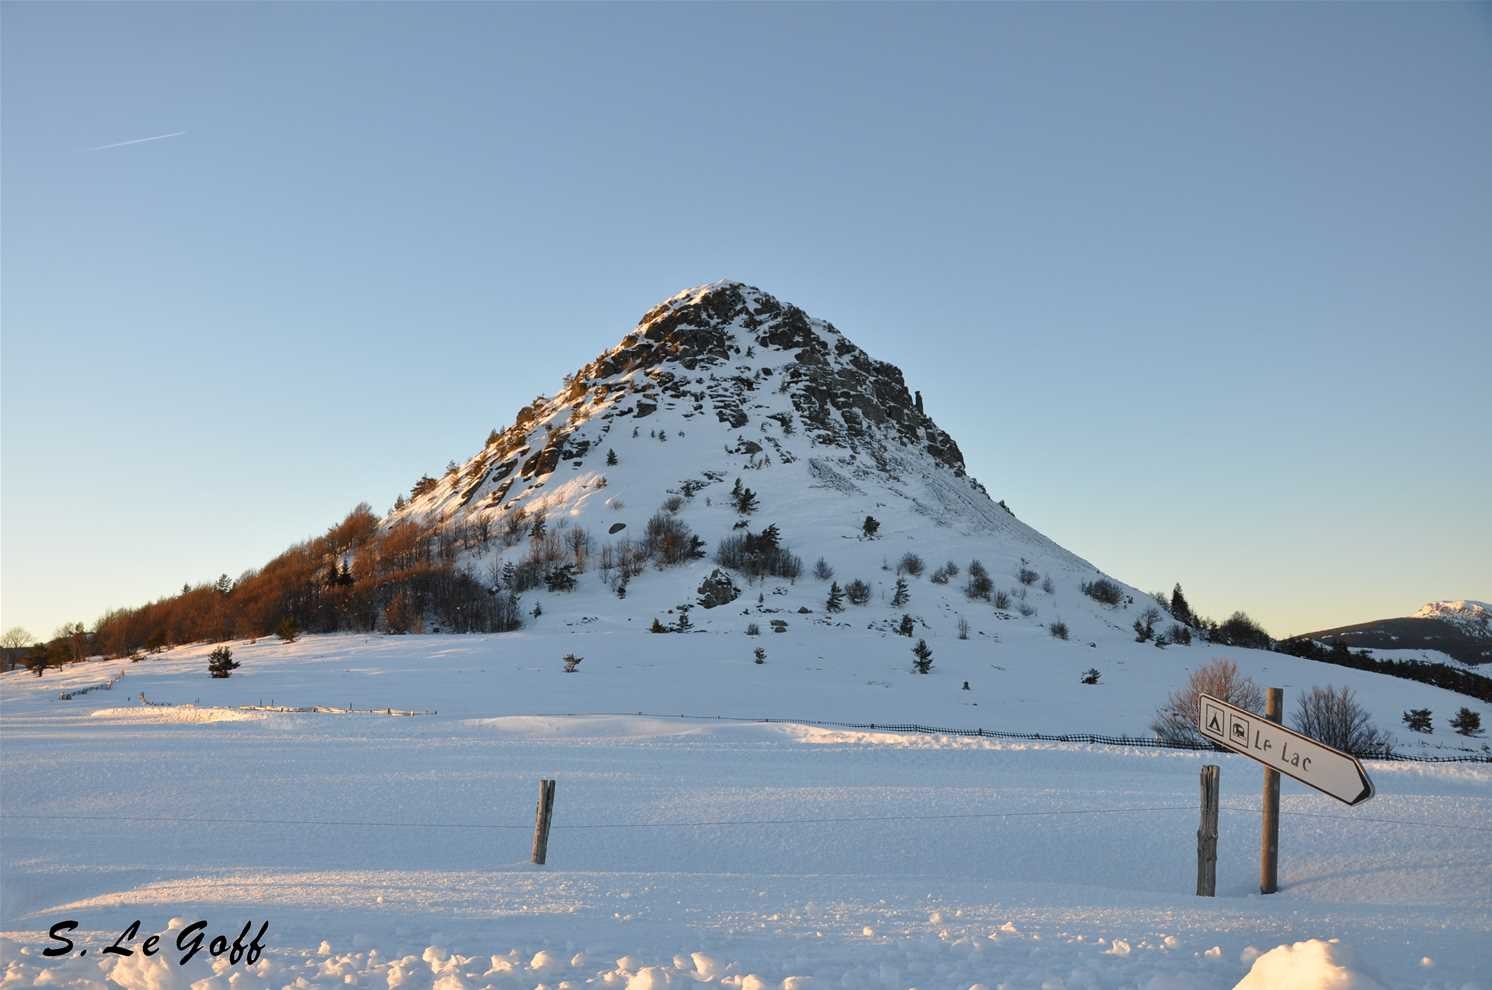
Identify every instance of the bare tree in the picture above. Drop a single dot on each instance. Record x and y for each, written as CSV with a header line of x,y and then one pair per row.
x,y
580,543
1333,716
16,638
1176,720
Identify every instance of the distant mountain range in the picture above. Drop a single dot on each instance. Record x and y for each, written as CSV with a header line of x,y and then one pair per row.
x,y
1460,630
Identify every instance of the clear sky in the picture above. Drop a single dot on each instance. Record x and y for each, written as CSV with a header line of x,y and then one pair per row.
x,y
1203,291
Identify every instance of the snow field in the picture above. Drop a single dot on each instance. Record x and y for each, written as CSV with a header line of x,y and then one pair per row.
x,y
684,853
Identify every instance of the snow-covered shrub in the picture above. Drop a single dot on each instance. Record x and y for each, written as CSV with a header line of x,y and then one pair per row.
x,y
1002,600
1025,610
561,578
822,570
657,627
752,629
758,554
1176,720
911,564
526,576
1103,591
1026,575
979,584
507,612
1179,634
1333,716
1145,624
963,628
1239,630
669,540
1058,629
571,662
1048,586
857,591
1090,676
288,630
673,503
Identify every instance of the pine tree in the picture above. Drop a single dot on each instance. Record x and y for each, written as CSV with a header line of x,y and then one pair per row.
x,y
657,627
922,657
683,625
1180,610
1467,722
610,457
220,662
869,527
288,630
760,654
907,626
902,596
1418,720
836,599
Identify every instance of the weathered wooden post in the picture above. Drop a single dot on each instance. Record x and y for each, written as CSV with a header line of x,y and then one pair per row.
x,y
541,821
1207,834
1269,837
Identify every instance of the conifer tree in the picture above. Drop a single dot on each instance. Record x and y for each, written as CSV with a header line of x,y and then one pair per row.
x,y
1467,722
220,662
1418,720
902,596
1180,609
870,526
907,626
610,457
922,657
836,599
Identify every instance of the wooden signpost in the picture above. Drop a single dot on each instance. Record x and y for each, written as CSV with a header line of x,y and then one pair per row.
x,y
1282,751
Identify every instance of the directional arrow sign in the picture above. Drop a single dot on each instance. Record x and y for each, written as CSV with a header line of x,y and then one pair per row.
x,y
1330,771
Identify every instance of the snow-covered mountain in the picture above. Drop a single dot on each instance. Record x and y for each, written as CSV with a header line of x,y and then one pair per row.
x,y
724,382
1438,632
1475,617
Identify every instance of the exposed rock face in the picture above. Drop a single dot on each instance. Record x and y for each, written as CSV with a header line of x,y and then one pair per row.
x,y
727,352
717,589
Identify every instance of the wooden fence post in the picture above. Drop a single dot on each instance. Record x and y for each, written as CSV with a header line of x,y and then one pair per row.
x,y
542,815
1269,836
1207,834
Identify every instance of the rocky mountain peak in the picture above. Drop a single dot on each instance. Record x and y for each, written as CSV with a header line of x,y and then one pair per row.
x,y
757,369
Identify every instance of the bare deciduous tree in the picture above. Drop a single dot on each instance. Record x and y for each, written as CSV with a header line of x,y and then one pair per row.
x,y
1333,716
1176,720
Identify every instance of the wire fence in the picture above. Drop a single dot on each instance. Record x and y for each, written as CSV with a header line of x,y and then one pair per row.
x,y
728,823
1082,738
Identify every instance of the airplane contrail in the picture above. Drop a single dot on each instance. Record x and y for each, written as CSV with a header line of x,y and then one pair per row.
x,y
121,144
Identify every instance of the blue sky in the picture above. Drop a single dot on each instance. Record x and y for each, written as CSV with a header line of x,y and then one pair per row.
x,y
1202,291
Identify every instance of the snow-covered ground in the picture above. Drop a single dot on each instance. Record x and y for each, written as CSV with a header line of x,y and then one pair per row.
x,y
392,851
